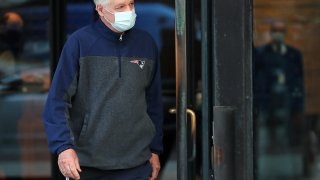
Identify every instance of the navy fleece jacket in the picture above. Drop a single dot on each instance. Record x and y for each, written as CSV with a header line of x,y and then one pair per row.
x,y
105,98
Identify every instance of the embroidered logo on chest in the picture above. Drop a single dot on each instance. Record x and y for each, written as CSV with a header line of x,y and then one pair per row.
x,y
139,63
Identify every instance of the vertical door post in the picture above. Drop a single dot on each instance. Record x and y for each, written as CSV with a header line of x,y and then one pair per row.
x,y
232,48
57,38
181,89
207,87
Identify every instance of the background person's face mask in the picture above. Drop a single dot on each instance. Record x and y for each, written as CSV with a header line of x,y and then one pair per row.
x,y
123,21
278,37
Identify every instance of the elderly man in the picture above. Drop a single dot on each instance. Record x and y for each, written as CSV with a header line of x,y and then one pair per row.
x,y
103,115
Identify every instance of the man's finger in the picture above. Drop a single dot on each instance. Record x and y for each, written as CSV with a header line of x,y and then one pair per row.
x,y
63,169
155,172
74,172
77,165
67,173
155,163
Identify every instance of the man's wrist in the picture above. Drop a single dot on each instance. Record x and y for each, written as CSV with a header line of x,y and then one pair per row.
x,y
155,152
63,148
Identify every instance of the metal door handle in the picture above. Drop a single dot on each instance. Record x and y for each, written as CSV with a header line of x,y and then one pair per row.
x,y
193,131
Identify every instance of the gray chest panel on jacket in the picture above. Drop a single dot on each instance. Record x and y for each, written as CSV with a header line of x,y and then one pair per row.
x,y
108,117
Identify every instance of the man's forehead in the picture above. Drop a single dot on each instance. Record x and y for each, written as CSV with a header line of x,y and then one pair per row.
x,y
278,26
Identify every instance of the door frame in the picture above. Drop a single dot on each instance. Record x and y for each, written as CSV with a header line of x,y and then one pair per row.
x,y
227,80
57,39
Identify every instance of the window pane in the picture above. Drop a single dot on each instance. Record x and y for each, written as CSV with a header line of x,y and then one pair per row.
x,y
24,81
286,87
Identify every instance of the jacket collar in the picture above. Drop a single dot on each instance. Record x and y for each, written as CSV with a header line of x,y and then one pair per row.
x,y
109,34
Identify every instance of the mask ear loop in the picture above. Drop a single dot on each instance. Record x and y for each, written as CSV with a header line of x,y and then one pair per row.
x,y
107,20
106,10
109,12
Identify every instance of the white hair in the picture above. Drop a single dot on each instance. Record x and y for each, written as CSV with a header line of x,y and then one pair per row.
x,y
101,2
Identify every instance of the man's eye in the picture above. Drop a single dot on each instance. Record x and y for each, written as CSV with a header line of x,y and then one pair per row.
x,y
119,7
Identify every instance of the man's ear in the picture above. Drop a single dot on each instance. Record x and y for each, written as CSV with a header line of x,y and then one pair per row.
x,y
99,9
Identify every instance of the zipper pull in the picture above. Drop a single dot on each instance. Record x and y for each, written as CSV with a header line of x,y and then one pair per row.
x,y
120,39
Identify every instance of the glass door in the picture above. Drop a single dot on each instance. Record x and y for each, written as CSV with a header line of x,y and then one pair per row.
x,y
286,87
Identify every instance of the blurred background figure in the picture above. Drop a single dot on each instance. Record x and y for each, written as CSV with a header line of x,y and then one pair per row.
x,y
280,89
11,42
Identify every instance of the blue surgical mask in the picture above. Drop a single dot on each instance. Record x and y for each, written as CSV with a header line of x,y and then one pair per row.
x,y
123,21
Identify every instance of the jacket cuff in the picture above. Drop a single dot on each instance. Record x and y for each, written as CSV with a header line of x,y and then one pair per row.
x,y
63,148
156,152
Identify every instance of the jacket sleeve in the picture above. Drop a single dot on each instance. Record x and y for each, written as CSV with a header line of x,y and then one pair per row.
x,y
63,87
155,109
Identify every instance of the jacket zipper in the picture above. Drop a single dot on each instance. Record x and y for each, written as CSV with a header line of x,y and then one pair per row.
x,y
120,38
119,56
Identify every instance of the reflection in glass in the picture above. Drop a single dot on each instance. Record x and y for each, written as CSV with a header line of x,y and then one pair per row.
x,y
287,100
24,81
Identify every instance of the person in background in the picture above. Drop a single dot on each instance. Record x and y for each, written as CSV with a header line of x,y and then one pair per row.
x,y
279,90
11,25
103,115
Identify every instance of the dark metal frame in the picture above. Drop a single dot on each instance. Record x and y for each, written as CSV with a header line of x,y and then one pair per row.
x,y
207,87
232,49
57,39
227,78
57,31
181,89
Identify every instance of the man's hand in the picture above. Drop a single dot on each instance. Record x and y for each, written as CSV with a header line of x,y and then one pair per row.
x,y
155,164
69,164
